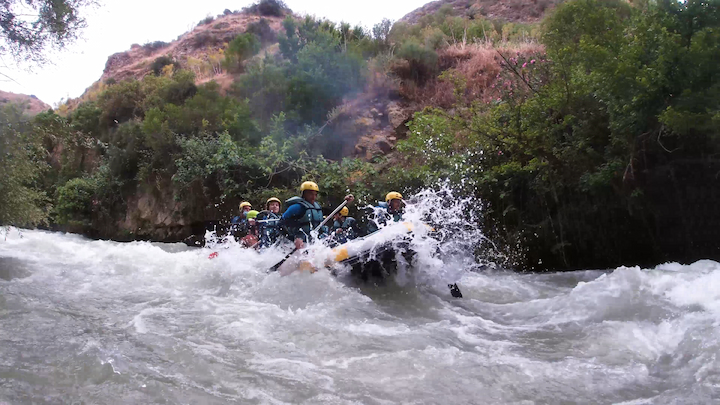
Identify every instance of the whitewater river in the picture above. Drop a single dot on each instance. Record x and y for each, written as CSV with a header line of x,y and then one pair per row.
x,y
99,322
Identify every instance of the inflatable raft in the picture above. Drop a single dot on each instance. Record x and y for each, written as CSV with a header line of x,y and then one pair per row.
x,y
375,255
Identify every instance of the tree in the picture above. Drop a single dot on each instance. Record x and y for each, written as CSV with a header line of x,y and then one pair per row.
x,y
30,27
381,34
21,202
241,48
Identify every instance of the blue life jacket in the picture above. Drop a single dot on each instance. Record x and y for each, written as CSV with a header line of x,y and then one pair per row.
x,y
311,218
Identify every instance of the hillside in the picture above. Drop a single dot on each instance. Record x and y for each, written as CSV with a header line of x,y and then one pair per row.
x,y
300,95
590,167
200,44
199,50
529,11
32,105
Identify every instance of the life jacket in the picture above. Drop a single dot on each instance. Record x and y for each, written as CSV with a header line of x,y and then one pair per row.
x,y
395,215
269,231
239,227
301,226
348,226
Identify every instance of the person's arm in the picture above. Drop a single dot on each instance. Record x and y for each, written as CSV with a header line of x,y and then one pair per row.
x,y
291,214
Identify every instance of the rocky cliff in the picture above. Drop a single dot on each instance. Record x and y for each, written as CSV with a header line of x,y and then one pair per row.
x,y
31,104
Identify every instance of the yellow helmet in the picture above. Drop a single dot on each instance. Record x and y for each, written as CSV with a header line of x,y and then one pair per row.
x,y
393,195
273,199
345,211
245,204
309,185
252,214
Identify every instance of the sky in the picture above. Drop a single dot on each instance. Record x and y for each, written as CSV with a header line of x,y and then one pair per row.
x,y
116,24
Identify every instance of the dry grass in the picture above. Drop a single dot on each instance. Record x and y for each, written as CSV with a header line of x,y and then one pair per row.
x,y
477,64
526,11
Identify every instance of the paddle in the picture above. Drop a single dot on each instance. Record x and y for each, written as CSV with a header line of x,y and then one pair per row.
x,y
325,221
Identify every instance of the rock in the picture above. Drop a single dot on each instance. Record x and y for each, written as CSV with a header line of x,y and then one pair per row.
x,y
365,121
116,61
383,144
396,114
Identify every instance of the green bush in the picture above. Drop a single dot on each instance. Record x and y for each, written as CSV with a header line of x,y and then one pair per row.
x,y
22,202
422,61
269,8
241,48
159,63
120,102
180,89
86,119
74,202
263,31
265,85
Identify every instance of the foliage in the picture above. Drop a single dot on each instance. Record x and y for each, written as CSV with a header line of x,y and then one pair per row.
x,y
462,30
262,30
88,202
574,141
29,28
241,48
269,8
381,34
422,61
154,46
22,203
159,63
75,201
207,20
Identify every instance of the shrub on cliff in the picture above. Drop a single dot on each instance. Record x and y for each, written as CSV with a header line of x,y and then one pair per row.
x,y
269,8
120,102
265,84
263,31
207,20
154,46
241,48
422,61
159,63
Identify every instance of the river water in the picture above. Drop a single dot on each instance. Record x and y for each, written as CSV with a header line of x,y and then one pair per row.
x,y
100,322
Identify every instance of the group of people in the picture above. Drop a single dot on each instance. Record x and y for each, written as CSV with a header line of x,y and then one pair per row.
x,y
260,229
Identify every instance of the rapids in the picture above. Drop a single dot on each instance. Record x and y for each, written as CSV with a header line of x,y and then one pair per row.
x,y
100,322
